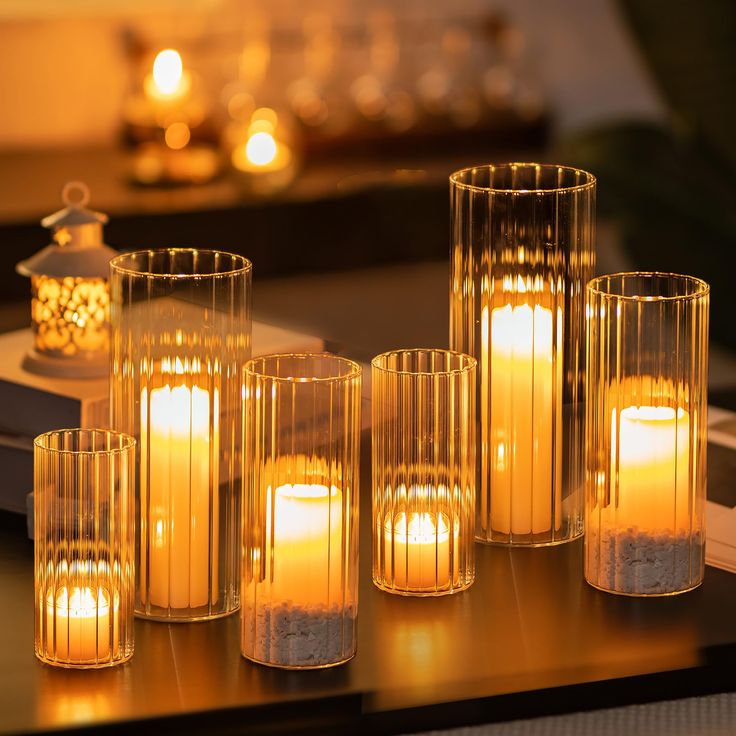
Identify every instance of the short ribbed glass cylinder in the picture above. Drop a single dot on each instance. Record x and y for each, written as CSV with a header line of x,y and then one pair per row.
x,y
181,330
522,252
647,432
84,532
300,543
423,432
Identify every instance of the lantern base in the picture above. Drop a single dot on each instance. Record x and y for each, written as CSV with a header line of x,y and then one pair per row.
x,y
44,365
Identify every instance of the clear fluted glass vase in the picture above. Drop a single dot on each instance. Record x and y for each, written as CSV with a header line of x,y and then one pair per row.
x,y
647,432
300,520
84,531
423,432
181,330
522,252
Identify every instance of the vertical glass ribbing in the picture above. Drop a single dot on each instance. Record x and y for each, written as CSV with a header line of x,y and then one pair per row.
x,y
423,431
522,251
84,529
647,432
181,331
300,521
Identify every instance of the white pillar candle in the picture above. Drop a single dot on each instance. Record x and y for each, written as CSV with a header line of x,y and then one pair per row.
x,y
521,403
304,540
179,484
650,473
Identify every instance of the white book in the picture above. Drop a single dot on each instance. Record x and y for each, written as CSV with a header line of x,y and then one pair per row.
x,y
31,404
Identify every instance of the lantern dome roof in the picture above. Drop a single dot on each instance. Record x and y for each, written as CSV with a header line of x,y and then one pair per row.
x,y
78,249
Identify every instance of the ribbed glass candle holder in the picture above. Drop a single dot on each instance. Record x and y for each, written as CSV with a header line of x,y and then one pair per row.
x,y
181,330
522,252
647,432
423,431
84,532
300,530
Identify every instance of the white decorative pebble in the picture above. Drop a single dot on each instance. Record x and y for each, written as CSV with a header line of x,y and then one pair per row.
x,y
301,636
641,562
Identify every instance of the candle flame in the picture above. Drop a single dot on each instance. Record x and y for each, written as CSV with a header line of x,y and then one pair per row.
x,y
422,527
167,71
261,148
81,603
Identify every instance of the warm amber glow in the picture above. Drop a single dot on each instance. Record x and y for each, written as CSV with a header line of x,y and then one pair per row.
x,y
261,149
177,135
69,315
167,71
261,126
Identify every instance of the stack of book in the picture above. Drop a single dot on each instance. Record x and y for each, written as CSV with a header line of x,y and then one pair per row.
x,y
32,404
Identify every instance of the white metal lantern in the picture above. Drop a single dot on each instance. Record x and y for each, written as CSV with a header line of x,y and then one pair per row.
x,y
70,292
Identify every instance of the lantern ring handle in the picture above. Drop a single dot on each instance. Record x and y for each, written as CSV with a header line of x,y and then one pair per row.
x,y
78,187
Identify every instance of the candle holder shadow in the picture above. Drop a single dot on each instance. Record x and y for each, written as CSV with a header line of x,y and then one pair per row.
x,y
647,433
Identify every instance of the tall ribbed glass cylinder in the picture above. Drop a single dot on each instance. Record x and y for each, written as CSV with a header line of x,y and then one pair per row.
x,y
423,431
84,532
522,252
647,432
181,330
300,521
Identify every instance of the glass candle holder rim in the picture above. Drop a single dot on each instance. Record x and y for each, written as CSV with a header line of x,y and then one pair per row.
x,y
456,179
699,287
353,368
126,441
116,264
468,362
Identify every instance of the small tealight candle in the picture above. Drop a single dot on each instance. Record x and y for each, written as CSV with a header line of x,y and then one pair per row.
x,y
78,624
421,555
263,151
